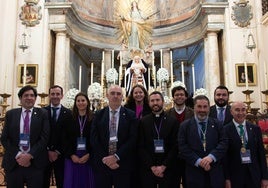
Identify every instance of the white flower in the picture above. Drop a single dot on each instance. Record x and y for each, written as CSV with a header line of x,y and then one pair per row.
x,y
162,75
178,83
68,99
94,91
111,75
200,91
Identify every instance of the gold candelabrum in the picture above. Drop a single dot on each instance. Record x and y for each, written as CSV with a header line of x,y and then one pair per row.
x,y
248,101
266,99
4,104
43,99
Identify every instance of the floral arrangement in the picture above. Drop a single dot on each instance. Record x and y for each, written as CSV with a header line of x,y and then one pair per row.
x,y
68,99
200,91
94,91
178,83
162,75
111,75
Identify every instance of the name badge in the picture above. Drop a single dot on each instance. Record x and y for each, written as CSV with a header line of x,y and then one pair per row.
x,y
24,140
81,143
159,146
245,156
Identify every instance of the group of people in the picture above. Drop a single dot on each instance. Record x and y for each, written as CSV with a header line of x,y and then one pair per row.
x,y
138,145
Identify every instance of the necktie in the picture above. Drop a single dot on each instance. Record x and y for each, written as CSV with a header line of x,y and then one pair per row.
x,y
221,114
26,128
112,128
54,114
241,130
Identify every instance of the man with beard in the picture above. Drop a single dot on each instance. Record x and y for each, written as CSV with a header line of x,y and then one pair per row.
x,y
202,145
181,112
221,109
157,145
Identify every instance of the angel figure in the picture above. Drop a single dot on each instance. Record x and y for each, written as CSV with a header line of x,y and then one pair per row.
x,y
134,24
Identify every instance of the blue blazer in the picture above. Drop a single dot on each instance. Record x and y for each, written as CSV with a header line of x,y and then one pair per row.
x,y
126,134
191,149
232,164
39,134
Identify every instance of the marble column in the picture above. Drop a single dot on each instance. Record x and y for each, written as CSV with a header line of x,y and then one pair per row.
x,y
212,68
60,60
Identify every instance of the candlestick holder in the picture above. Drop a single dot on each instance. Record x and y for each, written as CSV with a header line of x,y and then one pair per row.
x,y
248,101
4,104
43,99
266,99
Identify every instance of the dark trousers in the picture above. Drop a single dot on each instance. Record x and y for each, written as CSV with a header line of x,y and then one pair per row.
x,y
149,180
58,168
106,178
30,176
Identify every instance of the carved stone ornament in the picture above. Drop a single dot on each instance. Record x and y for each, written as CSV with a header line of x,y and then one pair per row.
x,y
30,15
242,13
32,2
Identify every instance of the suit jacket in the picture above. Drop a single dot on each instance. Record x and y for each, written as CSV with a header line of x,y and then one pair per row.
x,y
191,149
147,134
188,112
228,115
126,135
39,134
232,163
73,133
57,139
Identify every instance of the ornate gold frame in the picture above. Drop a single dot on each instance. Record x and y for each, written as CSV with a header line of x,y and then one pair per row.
x,y
33,71
252,74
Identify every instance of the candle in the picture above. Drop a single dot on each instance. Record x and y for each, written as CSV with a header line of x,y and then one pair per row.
x,y
246,74
91,79
120,75
80,77
154,73
161,59
103,56
125,79
149,78
226,74
265,77
182,72
102,73
152,59
112,58
193,74
24,74
5,91
171,69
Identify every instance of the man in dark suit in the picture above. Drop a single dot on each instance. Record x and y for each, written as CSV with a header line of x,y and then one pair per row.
x,y
24,137
202,145
245,162
59,120
113,140
221,109
181,112
157,146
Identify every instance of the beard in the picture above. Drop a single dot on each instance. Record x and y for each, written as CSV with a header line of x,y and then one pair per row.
x,y
156,108
221,103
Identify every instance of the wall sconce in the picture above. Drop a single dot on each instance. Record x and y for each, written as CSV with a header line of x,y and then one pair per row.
x,y
251,43
23,44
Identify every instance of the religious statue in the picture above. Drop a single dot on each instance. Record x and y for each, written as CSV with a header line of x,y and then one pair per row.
x,y
124,55
136,73
134,22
